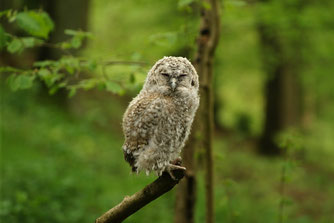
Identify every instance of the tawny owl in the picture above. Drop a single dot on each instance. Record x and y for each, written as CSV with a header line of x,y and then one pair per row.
x,y
157,122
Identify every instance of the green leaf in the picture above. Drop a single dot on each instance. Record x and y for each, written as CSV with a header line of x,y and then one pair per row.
x,y
21,81
5,12
62,84
45,63
15,46
28,42
9,13
65,45
35,23
10,69
71,64
72,92
31,41
71,32
91,65
56,87
113,87
18,44
48,77
44,73
53,90
88,84
25,81
80,33
11,80
76,42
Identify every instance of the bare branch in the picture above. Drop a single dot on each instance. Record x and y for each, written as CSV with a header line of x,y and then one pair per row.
x,y
131,204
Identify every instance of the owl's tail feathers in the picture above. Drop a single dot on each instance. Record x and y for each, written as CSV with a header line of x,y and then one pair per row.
x,y
130,159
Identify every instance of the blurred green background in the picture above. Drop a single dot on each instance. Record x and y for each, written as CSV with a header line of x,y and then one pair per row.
x,y
61,158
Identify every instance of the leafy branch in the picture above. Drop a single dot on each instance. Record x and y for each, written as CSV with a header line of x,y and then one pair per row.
x,y
69,72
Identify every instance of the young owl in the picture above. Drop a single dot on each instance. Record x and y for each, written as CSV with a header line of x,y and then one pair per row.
x,y
157,122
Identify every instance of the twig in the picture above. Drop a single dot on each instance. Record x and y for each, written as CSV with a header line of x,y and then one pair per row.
x,y
131,204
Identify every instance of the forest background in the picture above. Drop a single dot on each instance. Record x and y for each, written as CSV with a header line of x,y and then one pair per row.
x,y
61,158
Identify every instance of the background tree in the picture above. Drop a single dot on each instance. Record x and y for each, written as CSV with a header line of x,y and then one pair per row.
x,y
282,40
203,127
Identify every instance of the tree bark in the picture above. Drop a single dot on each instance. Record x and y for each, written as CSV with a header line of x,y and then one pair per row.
x,y
202,133
131,204
186,191
66,14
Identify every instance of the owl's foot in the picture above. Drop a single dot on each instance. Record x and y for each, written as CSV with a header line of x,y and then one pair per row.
x,y
172,170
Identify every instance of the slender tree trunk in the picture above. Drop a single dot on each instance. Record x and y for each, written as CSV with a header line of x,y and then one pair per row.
x,y
202,132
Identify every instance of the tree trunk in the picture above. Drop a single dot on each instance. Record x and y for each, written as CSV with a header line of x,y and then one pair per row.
x,y
66,15
282,62
282,107
202,132
72,14
186,190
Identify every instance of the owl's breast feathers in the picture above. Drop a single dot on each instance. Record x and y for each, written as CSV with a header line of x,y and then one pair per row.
x,y
158,118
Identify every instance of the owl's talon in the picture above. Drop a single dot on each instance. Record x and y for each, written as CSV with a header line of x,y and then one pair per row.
x,y
171,168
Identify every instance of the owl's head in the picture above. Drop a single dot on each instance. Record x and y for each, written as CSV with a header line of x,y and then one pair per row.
x,y
172,75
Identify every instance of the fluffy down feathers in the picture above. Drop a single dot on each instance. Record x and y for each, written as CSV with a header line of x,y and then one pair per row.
x,y
157,122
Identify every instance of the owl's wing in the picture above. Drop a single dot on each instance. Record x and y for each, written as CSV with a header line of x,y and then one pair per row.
x,y
139,124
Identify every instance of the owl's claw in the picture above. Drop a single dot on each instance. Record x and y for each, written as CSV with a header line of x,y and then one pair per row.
x,y
171,168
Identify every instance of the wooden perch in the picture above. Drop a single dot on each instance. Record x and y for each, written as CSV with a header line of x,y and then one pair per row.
x,y
131,204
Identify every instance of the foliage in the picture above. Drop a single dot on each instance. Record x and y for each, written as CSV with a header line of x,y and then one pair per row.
x,y
70,168
69,72
35,23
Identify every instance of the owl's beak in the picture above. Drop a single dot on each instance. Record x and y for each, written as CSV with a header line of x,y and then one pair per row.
x,y
173,83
